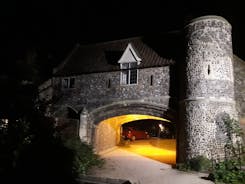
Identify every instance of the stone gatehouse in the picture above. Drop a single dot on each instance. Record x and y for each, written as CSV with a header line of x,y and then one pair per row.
x,y
184,76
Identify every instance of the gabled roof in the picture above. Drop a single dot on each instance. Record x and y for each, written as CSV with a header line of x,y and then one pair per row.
x,y
104,57
129,55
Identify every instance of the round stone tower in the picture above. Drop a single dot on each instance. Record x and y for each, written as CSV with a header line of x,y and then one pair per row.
x,y
209,88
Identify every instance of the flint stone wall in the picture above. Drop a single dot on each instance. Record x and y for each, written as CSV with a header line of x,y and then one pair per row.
x,y
239,71
209,68
209,87
100,89
203,128
206,95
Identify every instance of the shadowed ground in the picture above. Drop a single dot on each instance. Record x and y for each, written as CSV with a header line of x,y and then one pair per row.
x,y
121,163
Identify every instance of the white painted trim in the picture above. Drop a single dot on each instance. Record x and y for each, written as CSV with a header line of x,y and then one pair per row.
x,y
129,51
128,82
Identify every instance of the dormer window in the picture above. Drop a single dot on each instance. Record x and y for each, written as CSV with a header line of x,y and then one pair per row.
x,y
129,73
129,62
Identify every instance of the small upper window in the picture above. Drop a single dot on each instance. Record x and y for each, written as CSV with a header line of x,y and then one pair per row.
x,y
129,62
68,83
129,73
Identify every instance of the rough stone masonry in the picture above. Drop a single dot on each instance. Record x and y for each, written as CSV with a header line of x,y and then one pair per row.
x,y
209,86
202,82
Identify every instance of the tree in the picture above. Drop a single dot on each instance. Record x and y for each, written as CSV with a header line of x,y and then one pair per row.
x,y
30,147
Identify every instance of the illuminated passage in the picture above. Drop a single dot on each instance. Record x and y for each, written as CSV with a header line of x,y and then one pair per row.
x,y
108,135
163,150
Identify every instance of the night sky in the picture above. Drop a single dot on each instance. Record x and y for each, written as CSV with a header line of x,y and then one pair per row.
x,y
54,27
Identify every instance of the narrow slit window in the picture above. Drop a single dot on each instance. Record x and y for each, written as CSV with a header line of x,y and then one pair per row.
x,y
109,83
72,83
209,69
151,80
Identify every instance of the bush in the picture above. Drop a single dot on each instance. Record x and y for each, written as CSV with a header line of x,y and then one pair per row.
x,y
84,156
230,169
31,149
199,163
183,166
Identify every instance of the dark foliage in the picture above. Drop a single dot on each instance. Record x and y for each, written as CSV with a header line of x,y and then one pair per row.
x,y
33,153
31,150
84,156
230,169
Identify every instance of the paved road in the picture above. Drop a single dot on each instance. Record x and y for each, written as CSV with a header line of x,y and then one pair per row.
x,y
163,150
123,164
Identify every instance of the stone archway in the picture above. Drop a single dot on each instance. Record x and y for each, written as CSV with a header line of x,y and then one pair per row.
x,y
108,132
131,107
117,113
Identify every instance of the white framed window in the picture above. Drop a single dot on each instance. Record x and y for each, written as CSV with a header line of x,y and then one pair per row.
x,y
129,73
68,82
129,62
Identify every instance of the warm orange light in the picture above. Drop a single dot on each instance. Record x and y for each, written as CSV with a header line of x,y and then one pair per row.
x,y
119,120
164,151
115,123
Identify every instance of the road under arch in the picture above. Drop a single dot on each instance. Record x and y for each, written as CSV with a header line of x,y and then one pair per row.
x,y
108,135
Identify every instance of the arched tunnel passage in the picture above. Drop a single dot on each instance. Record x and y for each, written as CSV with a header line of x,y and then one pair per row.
x,y
160,146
